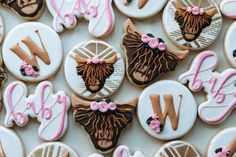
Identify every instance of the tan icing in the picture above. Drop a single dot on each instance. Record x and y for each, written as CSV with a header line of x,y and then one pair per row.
x,y
142,3
2,153
232,147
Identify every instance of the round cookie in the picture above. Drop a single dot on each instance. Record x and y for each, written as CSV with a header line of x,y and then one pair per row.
x,y
192,24
29,10
227,8
94,70
2,28
34,54
223,144
178,149
229,48
53,149
140,9
124,151
166,105
3,78
10,144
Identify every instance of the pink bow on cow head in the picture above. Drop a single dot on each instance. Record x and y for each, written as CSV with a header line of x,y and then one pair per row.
x,y
195,10
95,60
103,106
222,152
126,1
153,42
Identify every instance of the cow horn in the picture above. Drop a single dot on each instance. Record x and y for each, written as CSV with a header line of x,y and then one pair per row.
x,y
180,54
80,59
178,5
211,12
111,60
75,101
132,102
129,26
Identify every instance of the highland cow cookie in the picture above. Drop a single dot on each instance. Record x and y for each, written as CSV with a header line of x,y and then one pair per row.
x,y
223,144
2,29
147,57
27,9
192,24
94,70
219,87
103,120
99,13
34,54
166,105
178,149
49,108
140,9
53,149
10,144
227,7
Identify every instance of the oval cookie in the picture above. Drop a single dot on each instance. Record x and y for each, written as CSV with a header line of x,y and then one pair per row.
x,y
227,7
223,144
34,54
229,48
163,108
10,144
2,29
53,149
140,9
94,70
192,24
178,149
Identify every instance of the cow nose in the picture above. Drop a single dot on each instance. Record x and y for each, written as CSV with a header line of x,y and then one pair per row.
x,y
189,36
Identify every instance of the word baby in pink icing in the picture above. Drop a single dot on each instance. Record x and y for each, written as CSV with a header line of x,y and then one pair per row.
x,y
50,109
99,13
124,151
219,87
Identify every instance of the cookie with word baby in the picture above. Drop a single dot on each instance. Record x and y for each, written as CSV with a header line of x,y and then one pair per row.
x,y
99,14
223,144
34,54
94,69
48,107
178,149
192,24
227,8
140,9
103,120
147,57
163,108
27,9
219,87
10,144
2,28
53,149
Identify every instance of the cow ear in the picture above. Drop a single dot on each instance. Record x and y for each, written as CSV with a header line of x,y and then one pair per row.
x,y
132,102
129,26
111,60
211,12
179,7
75,101
80,59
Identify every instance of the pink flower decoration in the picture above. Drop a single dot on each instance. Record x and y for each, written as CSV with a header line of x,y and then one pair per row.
x,y
189,9
103,107
112,106
29,71
162,46
195,10
94,106
145,38
94,60
224,153
24,65
154,43
201,11
125,1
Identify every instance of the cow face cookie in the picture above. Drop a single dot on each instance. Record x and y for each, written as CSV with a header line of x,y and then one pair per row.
x,y
10,144
166,105
2,29
27,9
140,9
219,87
229,48
227,7
53,149
94,70
34,54
49,108
147,57
178,148
192,24
103,120
223,144
99,13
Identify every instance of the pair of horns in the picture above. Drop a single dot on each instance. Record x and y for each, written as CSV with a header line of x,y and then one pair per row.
x,y
111,60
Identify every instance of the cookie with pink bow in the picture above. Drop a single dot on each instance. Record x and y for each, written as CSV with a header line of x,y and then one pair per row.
x,y
147,57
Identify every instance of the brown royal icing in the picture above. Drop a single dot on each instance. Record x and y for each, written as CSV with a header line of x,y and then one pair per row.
x,y
142,3
3,77
103,125
192,25
29,9
2,153
145,64
95,73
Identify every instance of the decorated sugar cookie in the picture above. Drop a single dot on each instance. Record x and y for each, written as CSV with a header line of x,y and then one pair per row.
x,y
147,57
34,54
10,144
140,9
227,7
53,149
178,149
223,144
2,29
166,105
219,87
230,49
192,24
49,108
103,120
27,9
94,70
99,13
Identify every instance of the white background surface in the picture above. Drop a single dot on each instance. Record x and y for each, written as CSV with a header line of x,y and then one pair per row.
x,y
133,136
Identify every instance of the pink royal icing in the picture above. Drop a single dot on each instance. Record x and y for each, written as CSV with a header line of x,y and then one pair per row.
x,y
123,151
102,106
220,87
49,109
95,60
224,153
153,42
227,7
195,10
